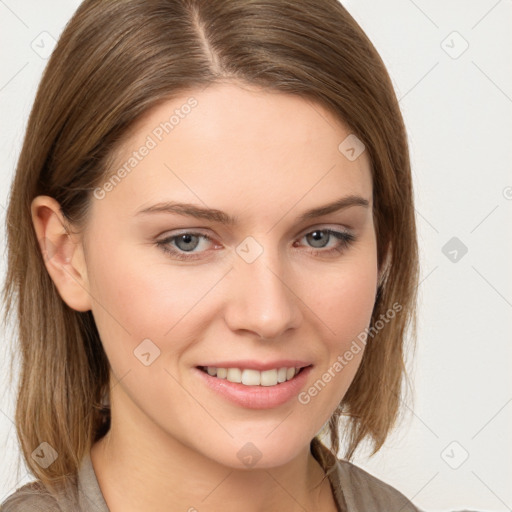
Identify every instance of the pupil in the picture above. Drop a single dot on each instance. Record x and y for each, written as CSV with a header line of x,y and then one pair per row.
x,y
317,236
186,238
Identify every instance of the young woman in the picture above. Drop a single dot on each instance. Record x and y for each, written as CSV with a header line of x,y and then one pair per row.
x,y
213,260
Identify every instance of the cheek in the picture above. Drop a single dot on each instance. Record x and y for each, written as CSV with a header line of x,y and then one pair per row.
x,y
140,296
350,303
343,295
344,306
342,301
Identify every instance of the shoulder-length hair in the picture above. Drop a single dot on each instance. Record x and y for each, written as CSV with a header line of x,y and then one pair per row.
x,y
113,62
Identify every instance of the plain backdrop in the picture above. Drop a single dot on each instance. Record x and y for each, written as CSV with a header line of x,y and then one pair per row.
x,y
450,62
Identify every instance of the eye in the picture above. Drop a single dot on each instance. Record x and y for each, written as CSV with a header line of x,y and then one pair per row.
x,y
185,242
183,245
320,238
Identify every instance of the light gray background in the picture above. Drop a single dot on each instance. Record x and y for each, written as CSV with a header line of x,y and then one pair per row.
x,y
457,107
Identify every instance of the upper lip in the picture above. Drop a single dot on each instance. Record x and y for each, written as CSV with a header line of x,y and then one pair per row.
x,y
259,365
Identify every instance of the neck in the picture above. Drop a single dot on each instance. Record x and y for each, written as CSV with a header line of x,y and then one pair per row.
x,y
161,474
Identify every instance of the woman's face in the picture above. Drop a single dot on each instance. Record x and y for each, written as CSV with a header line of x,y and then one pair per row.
x,y
172,292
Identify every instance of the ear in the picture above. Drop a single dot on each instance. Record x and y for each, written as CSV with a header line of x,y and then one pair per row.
x,y
62,253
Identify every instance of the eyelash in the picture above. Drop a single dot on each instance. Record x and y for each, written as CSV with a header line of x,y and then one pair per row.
x,y
345,240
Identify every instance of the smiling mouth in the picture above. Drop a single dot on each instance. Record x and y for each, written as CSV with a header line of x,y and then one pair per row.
x,y
249,377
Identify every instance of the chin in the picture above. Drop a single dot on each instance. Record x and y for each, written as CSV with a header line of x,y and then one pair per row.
x,y
260,453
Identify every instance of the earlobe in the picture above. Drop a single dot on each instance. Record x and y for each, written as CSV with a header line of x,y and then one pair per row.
x,y
62,253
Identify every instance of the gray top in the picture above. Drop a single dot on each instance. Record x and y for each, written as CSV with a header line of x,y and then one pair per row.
x,y
355,490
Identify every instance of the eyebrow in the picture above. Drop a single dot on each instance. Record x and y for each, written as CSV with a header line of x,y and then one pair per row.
x,y
211,214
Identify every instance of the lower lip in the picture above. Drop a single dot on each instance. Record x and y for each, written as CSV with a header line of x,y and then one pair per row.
x,y
256,397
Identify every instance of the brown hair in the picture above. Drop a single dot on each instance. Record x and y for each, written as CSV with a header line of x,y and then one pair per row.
x,y
113,62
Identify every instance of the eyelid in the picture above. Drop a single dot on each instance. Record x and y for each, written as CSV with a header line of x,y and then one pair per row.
x,y
169,234
345,239
203,232
321,227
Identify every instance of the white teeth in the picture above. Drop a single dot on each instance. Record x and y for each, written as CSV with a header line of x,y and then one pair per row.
x,y
281,375
234,375
250,377
269,378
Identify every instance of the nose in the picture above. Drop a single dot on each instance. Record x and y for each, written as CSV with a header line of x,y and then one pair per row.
x,y
261,298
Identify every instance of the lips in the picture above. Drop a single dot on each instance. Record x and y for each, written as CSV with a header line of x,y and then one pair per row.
x,y
255,373
256,396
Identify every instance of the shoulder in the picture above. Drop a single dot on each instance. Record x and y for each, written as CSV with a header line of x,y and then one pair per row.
x,y
30,497
33,497
355,489
363,491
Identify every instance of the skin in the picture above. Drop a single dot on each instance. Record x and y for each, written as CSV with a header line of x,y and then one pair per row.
x,y
265,157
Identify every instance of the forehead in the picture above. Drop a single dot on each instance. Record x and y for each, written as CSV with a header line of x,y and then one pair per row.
x,y
238,145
